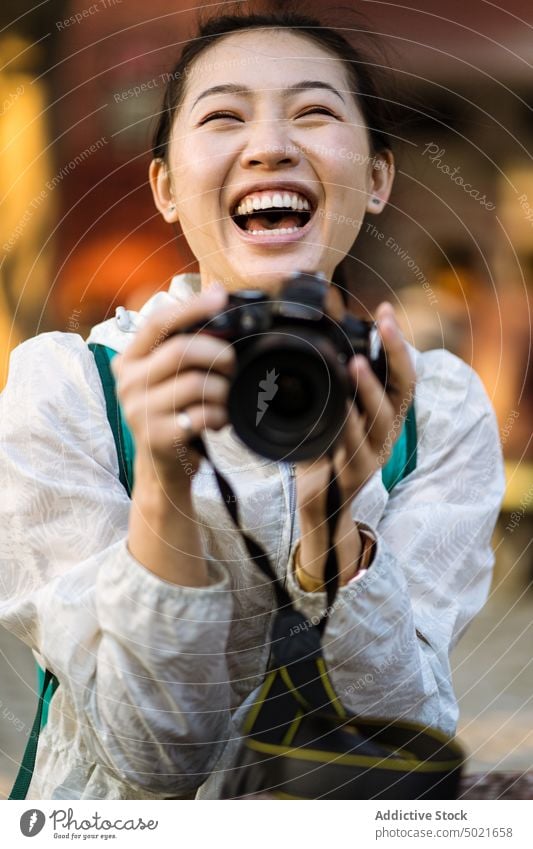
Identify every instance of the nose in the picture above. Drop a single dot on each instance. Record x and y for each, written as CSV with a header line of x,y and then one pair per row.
x,y
269,146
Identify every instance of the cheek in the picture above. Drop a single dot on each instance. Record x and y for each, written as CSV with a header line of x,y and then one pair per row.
x,y
349,160
198,168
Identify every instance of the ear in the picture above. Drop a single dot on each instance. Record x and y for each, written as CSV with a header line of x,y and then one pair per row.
x,y
382,173
162,190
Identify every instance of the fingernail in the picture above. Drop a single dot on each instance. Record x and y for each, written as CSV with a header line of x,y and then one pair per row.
x,y
390,326
361,363
216,295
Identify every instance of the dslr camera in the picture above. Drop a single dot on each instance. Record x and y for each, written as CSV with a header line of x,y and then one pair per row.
x,y
288,394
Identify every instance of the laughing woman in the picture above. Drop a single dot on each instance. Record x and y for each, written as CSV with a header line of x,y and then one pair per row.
x,y
148,610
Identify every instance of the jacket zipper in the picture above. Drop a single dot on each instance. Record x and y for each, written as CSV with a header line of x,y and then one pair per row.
x,y
292,502
292,509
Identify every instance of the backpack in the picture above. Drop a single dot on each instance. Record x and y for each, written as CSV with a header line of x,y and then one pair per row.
x,y
401,463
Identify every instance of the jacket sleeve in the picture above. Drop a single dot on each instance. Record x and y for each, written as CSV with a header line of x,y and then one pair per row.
x,y
388,639
150,704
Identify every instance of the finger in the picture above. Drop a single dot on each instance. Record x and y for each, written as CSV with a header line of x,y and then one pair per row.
x,y
170,320
312,479
164,432
182,352
203,417
377,405
192,387
354,460
401,373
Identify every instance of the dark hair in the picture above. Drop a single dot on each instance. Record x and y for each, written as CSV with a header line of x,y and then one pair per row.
x,y
363,77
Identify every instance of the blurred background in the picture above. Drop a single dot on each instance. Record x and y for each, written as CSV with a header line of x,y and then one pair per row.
x,y
80,84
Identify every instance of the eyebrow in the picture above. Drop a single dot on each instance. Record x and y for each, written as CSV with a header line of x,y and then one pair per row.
x,y
232,88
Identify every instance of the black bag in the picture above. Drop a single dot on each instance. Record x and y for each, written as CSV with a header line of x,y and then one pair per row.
x,y
299,741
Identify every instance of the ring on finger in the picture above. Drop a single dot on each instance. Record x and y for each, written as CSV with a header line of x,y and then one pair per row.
x,y
185,424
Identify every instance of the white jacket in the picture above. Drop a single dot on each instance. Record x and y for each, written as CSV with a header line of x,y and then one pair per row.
x,y
151,673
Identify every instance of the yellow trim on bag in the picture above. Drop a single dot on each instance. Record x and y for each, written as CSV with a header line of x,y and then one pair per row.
x,y
278,794
256,707
286,678
437,735
293,728
352,760
328,687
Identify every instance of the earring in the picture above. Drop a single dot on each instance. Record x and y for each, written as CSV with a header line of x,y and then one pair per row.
x,y
172,207
376,201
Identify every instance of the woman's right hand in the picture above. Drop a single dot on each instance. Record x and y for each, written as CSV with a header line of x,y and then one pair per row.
x,y
166,371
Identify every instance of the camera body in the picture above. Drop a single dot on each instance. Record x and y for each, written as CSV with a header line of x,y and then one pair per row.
x,y
287,398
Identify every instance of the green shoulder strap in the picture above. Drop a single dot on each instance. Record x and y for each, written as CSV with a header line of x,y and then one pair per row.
x,y
121,433
403,458
47,682
48,686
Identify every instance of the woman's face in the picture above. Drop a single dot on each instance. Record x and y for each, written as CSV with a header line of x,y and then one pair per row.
x,y
269,161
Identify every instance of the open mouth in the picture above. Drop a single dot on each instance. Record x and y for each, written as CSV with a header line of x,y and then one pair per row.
x,y
273,213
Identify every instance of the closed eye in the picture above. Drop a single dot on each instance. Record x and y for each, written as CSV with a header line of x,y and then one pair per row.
x,y
215,115
318,109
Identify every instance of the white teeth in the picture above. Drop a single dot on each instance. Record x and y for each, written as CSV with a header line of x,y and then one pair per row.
x,y
254,203
278,231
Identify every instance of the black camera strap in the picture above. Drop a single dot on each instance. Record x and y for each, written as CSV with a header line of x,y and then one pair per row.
x,y
258,555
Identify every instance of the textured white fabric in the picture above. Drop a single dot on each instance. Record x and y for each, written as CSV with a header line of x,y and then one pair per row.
x,y
151,673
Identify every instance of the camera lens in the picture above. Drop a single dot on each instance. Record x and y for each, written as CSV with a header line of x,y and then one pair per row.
x,y
287,400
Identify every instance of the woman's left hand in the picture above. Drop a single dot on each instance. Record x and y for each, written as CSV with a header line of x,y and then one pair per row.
x,y
364,446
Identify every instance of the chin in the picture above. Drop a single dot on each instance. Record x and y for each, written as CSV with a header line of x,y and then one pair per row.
x,y
270,276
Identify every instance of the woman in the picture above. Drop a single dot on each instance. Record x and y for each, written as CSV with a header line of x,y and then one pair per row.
x,y
149,612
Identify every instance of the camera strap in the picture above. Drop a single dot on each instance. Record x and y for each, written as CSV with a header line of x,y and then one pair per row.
x,y
258,555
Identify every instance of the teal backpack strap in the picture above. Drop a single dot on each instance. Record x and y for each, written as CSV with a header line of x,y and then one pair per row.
x,y
49,684
121,433
404,454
